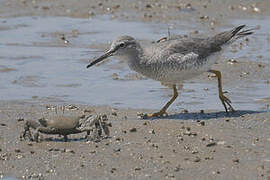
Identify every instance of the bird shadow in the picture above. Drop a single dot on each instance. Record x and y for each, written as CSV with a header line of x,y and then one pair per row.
x,y
208,116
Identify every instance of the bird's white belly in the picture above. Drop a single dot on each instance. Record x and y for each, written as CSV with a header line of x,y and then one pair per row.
x,y
174,76
179,77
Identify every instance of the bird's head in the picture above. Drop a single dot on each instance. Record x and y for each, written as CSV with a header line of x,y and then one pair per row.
x,y
123,45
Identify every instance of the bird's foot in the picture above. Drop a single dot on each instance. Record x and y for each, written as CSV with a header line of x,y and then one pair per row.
x,y
226,101
152,115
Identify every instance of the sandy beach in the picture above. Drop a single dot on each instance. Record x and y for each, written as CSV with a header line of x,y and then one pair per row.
x,y
196,141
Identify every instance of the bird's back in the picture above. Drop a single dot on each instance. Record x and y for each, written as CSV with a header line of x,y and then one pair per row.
x,y
200,46
203,47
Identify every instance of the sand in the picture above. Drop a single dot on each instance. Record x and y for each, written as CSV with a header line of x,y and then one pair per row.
x,y
184,145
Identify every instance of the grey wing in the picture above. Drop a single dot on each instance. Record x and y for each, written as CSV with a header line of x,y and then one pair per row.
x,y
201,46
183,62
206,46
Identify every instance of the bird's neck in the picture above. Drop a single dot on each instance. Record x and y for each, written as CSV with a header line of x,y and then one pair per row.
x,y
135,58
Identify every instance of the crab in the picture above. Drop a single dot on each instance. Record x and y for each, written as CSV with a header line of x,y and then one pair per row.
x,y
94,125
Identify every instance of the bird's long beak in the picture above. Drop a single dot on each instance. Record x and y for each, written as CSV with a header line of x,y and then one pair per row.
x,y
101,58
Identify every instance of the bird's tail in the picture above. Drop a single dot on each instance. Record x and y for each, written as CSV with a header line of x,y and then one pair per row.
x,y
230,36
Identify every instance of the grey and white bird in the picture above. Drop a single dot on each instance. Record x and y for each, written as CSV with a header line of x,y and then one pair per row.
x,y
172,60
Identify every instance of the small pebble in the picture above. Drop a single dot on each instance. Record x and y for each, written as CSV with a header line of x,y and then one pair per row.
x,y
209,158
197,159
148,6
204,17
186,158
54,149
195,32
113,170
75,33
188,133
255,9
154,145
118,139
211,144
212,23
93,152
202,123
116,6
244,8
170,176
152,131
91,13
212,75
145,123
221,142
261,65
185,111
133,130
180,138
45,7
115,76
20,119
231,7
117,150
69,151
232,61
19,156
177,168
137,168
17,150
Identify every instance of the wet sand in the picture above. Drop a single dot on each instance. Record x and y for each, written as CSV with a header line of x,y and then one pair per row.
x,y
158,10
192,145
195,145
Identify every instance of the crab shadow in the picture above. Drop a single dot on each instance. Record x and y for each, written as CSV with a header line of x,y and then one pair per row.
x,y
211,115
61,139
83,139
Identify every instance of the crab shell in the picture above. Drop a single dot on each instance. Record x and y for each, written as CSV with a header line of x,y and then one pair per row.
x,y
61,121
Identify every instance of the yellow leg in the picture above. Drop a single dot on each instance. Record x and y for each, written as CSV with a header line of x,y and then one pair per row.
x,y
164,109
223,98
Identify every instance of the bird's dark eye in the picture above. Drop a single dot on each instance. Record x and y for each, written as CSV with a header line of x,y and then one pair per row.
x,y
121,45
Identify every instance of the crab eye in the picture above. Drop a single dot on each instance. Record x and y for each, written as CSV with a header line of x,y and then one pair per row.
x,y
121,45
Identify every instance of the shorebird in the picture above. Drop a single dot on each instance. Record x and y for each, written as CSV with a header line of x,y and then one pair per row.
x,y
172,60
